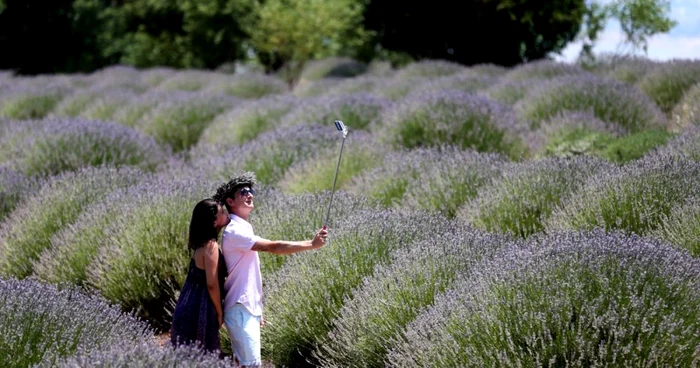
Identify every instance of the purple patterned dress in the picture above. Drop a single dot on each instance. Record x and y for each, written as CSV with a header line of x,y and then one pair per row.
x,y
194,319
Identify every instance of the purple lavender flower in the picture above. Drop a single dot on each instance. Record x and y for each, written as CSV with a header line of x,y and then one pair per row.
x,y
141,262
27,231
13,185
146,355
464,82
686,144
190,80
682,226
542,70
333,67
395,294
306,294
306,88
610,101
667,83
41,324
317,173
455,118
179,120
249,86
246,121
522,198
551,137
31,100
631,198
358,111
53,145
571,298
429,69
269,155
687,111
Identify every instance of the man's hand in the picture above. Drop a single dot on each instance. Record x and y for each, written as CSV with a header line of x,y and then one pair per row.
x,y
221,320
262,321
320,238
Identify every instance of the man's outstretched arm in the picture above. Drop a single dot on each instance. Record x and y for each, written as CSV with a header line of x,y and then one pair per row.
x,y
283,247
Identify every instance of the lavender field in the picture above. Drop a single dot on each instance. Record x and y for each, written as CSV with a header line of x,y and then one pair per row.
x,y
541,215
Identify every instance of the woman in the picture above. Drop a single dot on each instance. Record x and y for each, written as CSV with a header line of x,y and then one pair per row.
x,y
198,314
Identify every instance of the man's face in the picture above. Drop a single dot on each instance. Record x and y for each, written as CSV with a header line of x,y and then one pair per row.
x,y
243,199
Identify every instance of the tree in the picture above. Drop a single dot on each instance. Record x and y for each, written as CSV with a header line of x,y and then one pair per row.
x,y
639,20
180,33
288,33
506,32
49,36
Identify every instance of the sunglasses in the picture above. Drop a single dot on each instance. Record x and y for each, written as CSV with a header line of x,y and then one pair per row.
x,y
245,191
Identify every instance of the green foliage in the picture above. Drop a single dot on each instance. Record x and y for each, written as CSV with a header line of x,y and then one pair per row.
x,y
639,20
605,145
296,31
465,32
182,33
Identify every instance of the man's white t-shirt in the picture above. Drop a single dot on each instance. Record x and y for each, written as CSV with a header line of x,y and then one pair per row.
x,y
244,282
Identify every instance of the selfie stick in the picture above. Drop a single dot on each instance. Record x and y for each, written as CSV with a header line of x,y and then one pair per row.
x,y
341,127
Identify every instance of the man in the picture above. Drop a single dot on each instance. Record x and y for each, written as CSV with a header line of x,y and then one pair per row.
x,y
243,287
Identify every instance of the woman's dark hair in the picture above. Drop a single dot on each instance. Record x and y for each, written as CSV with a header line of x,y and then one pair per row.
x,y
202,228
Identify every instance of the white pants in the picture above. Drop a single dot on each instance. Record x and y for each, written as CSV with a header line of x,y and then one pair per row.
x,y
244,330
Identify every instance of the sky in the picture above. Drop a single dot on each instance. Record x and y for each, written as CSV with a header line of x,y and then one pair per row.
x,y
682,42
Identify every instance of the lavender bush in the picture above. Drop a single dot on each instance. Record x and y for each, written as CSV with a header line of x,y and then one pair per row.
x,y
54,145
628,69
667,84
103,107
180,120
508,91
307,293
249,86
74,247
397,88
41,324
333,67
73,104
363,84
248,120
577,133
449,178
191,80
571,133
27,231
686,144
429,69
383,304
145,355
13,185
687,111
568,299
358,111
270,155
682,226
142,260
131,113
611,101
523,197
317,173
630,198
31,101
543,70
298,217
305,88
455,118
464,82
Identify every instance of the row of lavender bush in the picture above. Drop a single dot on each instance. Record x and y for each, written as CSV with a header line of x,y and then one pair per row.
x,y
456,170
430,102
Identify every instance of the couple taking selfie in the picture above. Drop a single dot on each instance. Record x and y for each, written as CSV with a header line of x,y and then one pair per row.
x,y
224,284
